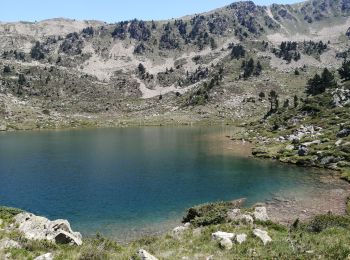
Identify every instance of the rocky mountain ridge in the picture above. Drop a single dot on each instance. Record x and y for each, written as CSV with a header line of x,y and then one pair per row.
x,y
61,73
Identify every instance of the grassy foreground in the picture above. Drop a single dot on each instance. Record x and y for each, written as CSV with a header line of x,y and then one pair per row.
x,y
324,237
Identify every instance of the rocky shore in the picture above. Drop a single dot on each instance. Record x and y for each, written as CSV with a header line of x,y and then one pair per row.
x,y
224,230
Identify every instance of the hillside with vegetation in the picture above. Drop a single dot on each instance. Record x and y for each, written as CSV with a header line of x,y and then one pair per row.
x,y
206,68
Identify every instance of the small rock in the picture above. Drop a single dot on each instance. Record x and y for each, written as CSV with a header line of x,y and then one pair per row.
x,y
246,219
3,127
307,144
263,235
211,257
343,133
241,238
226,243
1,222
327,160
144,255
8,243
48,256
234,214
178,231
337,143
302,151
290,147
221,235
260,213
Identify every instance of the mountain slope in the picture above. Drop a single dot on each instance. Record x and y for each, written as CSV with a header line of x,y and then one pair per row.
x,y
65,73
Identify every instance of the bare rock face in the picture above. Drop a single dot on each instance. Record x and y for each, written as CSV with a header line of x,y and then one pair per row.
x,y
8,243
341,97
40,228
144,255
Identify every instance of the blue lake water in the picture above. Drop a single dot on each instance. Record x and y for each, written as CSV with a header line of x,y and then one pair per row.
x,y
125,181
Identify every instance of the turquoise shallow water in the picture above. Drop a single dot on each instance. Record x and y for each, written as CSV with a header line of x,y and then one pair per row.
x,y
121,182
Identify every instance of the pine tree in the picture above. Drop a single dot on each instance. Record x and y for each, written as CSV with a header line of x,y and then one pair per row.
x,y
274,103
248,68
7,69
328,80
344,71
296,101
258,69
314,85
141,69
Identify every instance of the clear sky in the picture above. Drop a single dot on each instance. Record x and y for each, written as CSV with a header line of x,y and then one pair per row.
x,y
110,10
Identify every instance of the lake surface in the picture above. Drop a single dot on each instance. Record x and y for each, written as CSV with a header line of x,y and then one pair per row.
x,y
128,181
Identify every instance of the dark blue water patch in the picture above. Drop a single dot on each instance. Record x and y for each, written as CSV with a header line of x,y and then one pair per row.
x,y
112,180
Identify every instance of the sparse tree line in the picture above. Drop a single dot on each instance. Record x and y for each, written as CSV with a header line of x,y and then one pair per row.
x,y
290,50
315,86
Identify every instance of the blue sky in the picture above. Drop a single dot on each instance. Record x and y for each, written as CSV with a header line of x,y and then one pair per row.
x,y
110,10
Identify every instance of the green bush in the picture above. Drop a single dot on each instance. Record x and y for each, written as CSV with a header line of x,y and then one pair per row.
x,y
323,222
8,213
212,213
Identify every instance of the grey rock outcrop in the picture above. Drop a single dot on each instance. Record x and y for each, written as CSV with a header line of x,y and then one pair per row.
x,y
260,213
8,243
144,255
40,228
341,97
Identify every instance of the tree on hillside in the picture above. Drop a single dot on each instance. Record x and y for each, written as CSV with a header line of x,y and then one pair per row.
x,y
248,68
296,101
21,79
328,79
318,84
7,69
274,103
344,70
237,51
36,52
141,69
258,69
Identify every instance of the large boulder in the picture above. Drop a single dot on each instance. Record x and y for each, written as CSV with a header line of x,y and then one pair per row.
x,y
260,213
222,235
40,228
263,235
